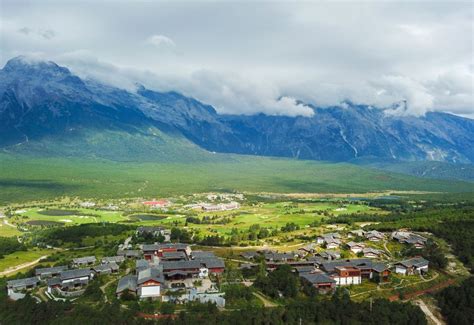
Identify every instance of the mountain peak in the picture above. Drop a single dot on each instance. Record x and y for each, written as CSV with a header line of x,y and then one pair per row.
x,y
26,65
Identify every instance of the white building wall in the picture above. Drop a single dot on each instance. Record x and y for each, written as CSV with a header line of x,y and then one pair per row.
x,y
400,270
71,280
149,291
422,269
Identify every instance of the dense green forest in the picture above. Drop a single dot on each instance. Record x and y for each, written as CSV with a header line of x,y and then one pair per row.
x,y
75,234
9,245
457,303
337,310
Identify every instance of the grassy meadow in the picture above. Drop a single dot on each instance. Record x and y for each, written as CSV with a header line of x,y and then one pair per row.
x,y
25,178
22,257
268,215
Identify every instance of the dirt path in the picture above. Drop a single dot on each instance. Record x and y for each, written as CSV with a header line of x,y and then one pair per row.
x,y
386,248
102,288
428,312
11,270
8,224
266,302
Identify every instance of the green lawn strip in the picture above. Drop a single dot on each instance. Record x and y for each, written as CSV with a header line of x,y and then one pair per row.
x,y
22,257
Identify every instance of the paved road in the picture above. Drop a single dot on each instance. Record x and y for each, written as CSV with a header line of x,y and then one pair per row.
x,y
428,312
22,266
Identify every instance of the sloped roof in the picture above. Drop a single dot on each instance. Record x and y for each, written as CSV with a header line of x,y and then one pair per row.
x,y
359,262
116,259
212,263
76,273
128,282
23,282
106,267
316,278
415,261
85,259
173,255
157,247
47,270
177,265
354,244
148,274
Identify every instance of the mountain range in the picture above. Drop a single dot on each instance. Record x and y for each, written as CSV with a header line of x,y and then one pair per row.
x,y
47,110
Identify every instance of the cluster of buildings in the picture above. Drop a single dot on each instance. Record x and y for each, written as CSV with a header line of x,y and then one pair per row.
x,y
171,267
59,280
159,268
215,207
157,204
324,269
225,196
154,231
406,237
333,241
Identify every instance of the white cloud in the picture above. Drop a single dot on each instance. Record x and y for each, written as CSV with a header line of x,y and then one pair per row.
x,y
246,57
160,41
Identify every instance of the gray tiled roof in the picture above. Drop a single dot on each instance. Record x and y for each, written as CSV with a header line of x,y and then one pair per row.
x,y
128,282
360,262
157,247
85,259
150,274
50,270
141,263
317,278
174,255
53,281
177,265
115,259
415,261
304,269
76,273
379,267
109,267
212,263
23,282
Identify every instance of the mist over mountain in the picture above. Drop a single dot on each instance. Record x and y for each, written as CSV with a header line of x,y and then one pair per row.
x,y
47,110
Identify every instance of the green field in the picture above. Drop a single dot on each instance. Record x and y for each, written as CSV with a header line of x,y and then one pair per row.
x,y
7,231
69,217
22,257
269,215
27,179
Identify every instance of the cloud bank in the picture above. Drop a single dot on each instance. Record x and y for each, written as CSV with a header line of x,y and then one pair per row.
x,y
246,58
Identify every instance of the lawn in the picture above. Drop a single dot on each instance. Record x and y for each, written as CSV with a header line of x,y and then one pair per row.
x,y
270,215
7,231
26,178
69,217
22,257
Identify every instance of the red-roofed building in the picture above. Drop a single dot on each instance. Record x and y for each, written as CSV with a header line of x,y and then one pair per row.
x,y
157,203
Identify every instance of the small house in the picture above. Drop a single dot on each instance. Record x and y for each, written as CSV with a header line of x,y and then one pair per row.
x,y
106,268
84,261
355,247
415,265
49,272
321,281
371,252
22,284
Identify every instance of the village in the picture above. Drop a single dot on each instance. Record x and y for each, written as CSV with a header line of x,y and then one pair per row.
x,y
174,272
215,249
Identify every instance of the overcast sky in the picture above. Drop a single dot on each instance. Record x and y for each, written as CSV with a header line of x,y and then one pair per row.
x,y
247,57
